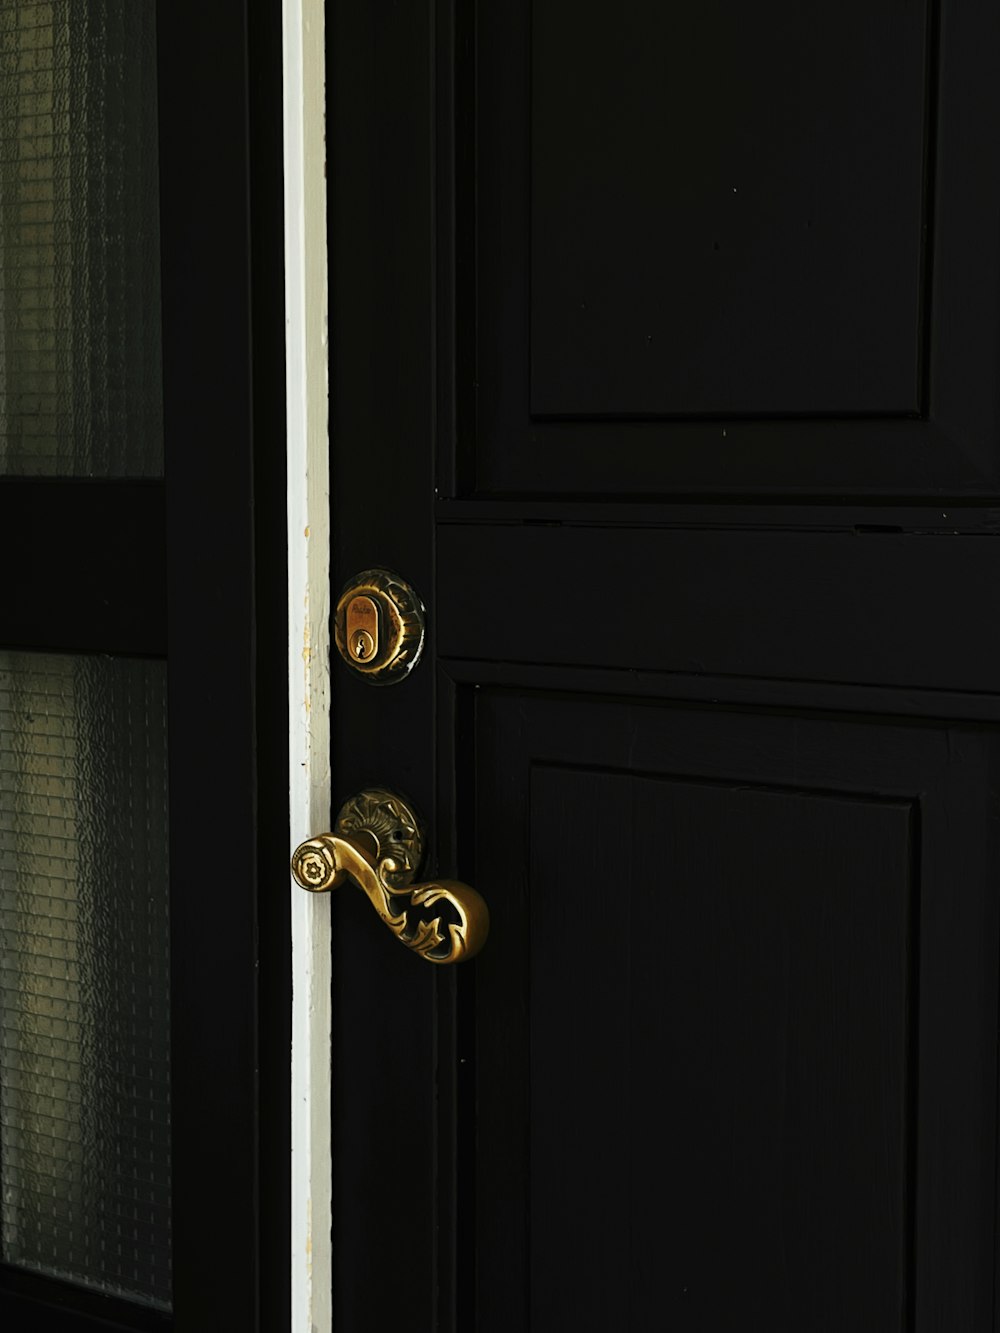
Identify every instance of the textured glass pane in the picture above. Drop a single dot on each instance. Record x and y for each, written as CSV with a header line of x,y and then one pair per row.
x,y
84,1017
80,388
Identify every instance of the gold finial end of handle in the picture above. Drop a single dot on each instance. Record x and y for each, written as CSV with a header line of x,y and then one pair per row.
x,y
314,865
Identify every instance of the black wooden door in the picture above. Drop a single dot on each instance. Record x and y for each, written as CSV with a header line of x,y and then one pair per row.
x,y
143,983
664,363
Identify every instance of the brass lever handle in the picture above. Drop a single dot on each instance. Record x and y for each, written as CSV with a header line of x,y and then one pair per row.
x,y
379,844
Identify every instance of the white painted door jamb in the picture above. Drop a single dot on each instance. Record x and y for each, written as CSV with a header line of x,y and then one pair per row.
x,y
308,642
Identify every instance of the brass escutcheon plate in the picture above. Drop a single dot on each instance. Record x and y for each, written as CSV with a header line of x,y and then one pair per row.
x,y
379,626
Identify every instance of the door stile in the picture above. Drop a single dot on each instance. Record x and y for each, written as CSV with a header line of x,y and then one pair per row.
x,y
308,646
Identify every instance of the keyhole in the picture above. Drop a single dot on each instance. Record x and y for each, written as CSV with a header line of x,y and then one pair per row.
x,y
362,645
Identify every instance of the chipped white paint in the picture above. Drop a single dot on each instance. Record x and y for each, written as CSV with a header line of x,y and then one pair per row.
x,y
309,664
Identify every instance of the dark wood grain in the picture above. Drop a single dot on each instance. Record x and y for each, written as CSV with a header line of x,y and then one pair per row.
x,y
754,367
210,609
386,1042
856,609
729,1072
745,244
86,566
705,536
793,898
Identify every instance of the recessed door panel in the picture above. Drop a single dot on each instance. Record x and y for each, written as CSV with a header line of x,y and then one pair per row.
x,y
730,1081
734,978
728,209
717,251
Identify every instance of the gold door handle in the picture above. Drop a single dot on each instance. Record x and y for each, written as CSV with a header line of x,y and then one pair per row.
x,y
379,844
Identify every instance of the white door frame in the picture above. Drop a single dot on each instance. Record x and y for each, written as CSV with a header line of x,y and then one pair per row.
x,y
309,649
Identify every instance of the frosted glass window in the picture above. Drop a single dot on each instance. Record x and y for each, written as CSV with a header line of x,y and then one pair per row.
x,y
80,351
84,987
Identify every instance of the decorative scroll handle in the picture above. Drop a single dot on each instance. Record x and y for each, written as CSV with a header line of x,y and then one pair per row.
x,y
379,844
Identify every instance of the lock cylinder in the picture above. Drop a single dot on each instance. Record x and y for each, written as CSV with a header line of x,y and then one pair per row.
x,y
362,628
379,626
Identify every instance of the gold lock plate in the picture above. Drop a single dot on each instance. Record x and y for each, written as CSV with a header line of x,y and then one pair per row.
x,y
379,626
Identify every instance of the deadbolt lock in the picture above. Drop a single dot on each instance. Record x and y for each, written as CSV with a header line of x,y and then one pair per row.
x,y
379,626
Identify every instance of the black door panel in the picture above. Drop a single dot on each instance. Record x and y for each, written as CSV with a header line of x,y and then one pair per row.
x,y
663,342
